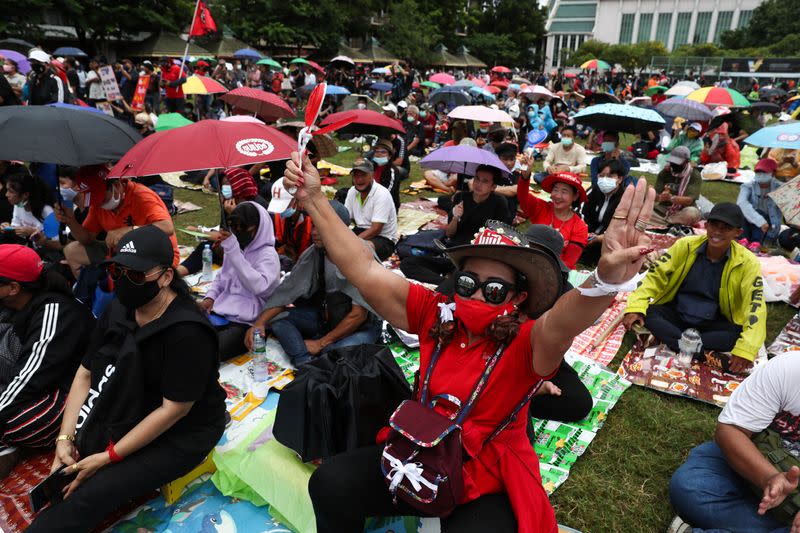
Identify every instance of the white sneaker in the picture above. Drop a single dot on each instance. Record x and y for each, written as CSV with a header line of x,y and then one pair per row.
x,y
679,526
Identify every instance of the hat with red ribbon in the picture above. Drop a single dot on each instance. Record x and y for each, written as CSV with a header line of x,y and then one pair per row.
x,y
500,242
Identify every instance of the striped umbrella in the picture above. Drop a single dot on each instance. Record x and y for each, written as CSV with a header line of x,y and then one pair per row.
x,y
202,85
717,96
596,64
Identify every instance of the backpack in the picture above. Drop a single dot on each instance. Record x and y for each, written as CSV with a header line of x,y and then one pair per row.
x,y
164,192
770,444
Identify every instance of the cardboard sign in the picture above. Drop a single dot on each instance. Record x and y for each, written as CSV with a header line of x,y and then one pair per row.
x,y
109,81
141,91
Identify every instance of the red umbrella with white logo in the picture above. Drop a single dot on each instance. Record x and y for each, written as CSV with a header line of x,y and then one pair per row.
x,y
203,145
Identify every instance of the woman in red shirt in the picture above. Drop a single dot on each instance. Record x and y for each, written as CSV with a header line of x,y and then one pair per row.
x,y
564,188
502,486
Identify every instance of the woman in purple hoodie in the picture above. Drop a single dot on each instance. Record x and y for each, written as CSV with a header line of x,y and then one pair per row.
x,y
250,272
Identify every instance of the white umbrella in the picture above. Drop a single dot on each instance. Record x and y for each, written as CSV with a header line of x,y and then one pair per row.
x,y
344,59
687,83
537,91
641,101
480,113
679,90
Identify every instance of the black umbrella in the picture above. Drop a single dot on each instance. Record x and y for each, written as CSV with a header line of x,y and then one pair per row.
x,y
18,45
449,95
601,98
46,134
771,92
765,107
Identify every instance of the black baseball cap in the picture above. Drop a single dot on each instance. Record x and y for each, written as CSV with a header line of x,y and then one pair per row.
x,y
143,249
727,212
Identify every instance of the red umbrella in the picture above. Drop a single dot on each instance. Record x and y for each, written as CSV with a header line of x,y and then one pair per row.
x,y
479,82
202,145
503,84
315,66
442,79
494,89
501,69
268,106
364,121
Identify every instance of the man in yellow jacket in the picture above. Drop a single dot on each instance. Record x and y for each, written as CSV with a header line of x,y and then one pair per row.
x,y
710,283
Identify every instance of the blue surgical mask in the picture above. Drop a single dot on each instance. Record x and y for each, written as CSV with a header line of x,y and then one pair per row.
x,y
566,141
423,114
763,177
606,184
380,161
608,146
288,212
227,192
67,194
410,118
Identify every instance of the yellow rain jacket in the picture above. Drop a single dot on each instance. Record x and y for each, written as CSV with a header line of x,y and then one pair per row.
x,y
741,296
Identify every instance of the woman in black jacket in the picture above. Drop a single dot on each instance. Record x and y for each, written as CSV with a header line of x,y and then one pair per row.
x,y
145,406
600,207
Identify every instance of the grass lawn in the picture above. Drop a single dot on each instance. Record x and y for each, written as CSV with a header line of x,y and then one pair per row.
x,y
620,483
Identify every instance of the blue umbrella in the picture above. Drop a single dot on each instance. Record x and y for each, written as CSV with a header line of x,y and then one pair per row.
x,y
246,53
683,107
620,117
480,91
462,160
69,51
77,107
381,86
335,90
450,95
786,135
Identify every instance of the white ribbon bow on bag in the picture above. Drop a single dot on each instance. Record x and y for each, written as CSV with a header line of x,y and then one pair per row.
x,y
410,471
446,311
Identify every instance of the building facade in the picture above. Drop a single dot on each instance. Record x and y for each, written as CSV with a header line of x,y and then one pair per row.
x,y
673,22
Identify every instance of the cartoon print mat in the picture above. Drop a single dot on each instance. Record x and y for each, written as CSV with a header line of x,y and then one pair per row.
x,y
788,340
428,206
655,367
410,220
559,445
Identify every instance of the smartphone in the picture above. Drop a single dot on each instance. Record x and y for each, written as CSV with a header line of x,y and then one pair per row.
x,y
50,489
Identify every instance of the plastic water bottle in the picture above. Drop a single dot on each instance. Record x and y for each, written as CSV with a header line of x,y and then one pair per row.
x,y
689,344
208,261
259,355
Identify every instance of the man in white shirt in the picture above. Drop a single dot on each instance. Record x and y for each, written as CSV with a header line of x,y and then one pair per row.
x,y
94,83
565,156
371,207
713,489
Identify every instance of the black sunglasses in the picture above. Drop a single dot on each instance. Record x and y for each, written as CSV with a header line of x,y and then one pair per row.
x,y
136,277
494,290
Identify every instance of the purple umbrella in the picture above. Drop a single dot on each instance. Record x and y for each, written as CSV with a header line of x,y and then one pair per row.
x,y
462,160
22,62
683,107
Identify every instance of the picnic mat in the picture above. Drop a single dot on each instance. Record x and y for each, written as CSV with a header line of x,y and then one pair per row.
x,y
409,221
781,277
174,179
334,170
558,445
601,341
427,206
15,510
655,367
788,340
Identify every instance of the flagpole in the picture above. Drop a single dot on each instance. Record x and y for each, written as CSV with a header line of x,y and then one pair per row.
x,y
189,37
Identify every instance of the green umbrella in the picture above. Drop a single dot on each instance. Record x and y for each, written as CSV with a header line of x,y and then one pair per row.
x,y
654,89
270,62
431,84
299,60
170,121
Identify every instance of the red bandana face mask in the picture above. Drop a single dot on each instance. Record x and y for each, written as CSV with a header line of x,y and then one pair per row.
x,y
477,315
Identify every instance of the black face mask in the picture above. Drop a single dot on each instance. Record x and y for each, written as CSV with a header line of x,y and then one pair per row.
x,y
244,236
38,68
676,168
134,296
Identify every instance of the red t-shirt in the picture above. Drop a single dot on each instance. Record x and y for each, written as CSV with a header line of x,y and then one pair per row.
x,y
174,73
507,463
140,207
538,211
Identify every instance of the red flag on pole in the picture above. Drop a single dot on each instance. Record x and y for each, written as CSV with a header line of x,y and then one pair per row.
x,y
203,22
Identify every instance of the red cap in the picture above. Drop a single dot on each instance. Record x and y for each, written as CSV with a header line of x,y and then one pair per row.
x,y
91,181
241,182
767,165
19,263
565,177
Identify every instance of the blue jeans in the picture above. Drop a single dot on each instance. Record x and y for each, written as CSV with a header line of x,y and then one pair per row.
x,y
754,233
708,494
307,323
539,177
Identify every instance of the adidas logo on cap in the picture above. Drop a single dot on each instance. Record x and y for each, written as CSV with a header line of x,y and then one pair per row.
x,y
129,248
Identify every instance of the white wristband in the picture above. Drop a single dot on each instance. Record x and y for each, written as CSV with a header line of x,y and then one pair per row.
x,y
601,288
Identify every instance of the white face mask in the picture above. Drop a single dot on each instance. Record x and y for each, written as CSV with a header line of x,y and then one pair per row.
x,y
606,184
763,177
112,203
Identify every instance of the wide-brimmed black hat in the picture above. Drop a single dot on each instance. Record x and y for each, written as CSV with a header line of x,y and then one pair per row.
x,y
501,242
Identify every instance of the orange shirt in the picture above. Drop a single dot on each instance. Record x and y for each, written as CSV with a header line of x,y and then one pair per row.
x,y
140,207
